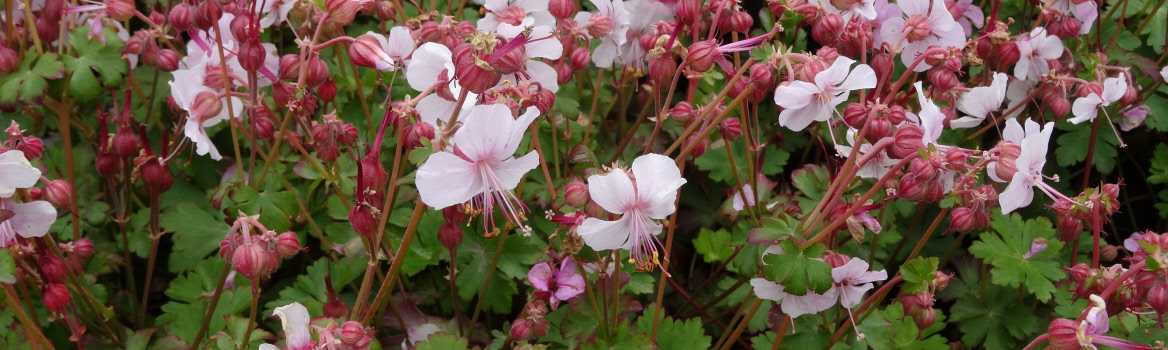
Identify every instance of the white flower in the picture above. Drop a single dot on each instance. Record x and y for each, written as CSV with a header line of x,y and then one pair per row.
x,y
28,220
932,121
16,173
294,318
852,8
1014,133
1029,163
939,30
1036,48
1087,108
394,49
648,12
480,166
538,44
185,88
648,195
1085,12
804,102
967,14
876,167
430,62
852,280
514,12
979,102
610,23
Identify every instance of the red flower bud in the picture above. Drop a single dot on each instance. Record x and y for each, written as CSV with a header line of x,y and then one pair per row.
x,y
688,11
207,14
941,280
342,12
250,260
835,259
741,22
48,27
52,268
662,69
545,99
120,10
107,164
576,194
579,58
1158,298
31,146
520,329
1008,154
124,143
287,245
907,142
352,332
166,60
763,77
702,55
682,112
83,248
260,119
59,193
878,129
562,9
470,74
827,31
450,235
327,91
961,219
242,28
361,217
702,143
1063,335
251,55
415,133
1130,97
8,59
942,79
855,114
290,65
56,297
182,16
925,319
730,129
283,93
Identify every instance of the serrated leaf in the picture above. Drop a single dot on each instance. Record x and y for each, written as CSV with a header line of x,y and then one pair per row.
x,y
28,82
798,270
1158,174
190,294
1006,250
676,334
276,208
474,258
918,274
105,59
309,289
717,162
197,233
443,341
772,229
7,268
713,245
999,321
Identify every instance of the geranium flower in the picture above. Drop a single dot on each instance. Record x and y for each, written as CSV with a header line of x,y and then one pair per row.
x,y
1087,108
932,121
480,167
387,54
28,220
295,320
1084,11
537,43
610,23
1014,133
648,13
847,9
16,172
792,305
563,283
1036,48
804,102
514,12
201,52
875,168
432,64
922,24
980,101
1016,93
852,280
1133,117
966,14
1033,157
639,198
201,114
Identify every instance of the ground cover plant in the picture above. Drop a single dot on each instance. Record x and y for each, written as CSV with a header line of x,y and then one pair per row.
x,y
562,174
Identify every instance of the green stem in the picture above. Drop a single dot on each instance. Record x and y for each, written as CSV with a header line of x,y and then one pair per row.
x,y
251,320
211,308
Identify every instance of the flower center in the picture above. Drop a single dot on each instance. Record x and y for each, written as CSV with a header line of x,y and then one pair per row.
x,y
496,195
644,253
917,28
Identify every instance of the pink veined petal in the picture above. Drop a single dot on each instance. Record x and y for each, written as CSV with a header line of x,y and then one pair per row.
x,y
890,30
1034,148
31,219
851,295
613,191
567,269
540,276
16,172
486,133
1050,48
428,62
495,5
433,108
400,44
810,303
1132,243
569,283
738,203
796,95
940,20
835,74
1022,68
606,235
1097,315
852,269
863,77
1114,88
658,179
583,17
446,179
1085,13
295,320
604,54
914,50
1085,108
798,119
915,7
1013,132
974,13
489,22
1018,194
510,171
517,128
871,276
1032,128
768,290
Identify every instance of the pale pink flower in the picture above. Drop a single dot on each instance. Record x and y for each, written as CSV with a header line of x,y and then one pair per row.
x,y
932,121
430,65
1132,244
980,101
275,11
185,88
1084,11
202,50
922,24
1016,93
394,49
1087,108
751,196
875,168
563,283
28,220
1036,48
514,12
639,198
1133,117
648,12
967,14
16,173
1092,330
1020,192
537,44
1164,73
295,320
852,280
1014,133
848,9
792,305
610,23
805,102
480,167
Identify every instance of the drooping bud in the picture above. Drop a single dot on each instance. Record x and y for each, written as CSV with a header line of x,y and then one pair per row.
x,y
207,14
415,133
662,69
855,114
182,16
327,91
576,194
961,219
287,245
9,59
472,72
56,297
342,12
1006,167
260,119
250,260
562,9
450,235
1158,298
166,60
1063,335
907,141
520,329
702,55
251,55
52,268
827,31
730,129
741,22
942,79
59,193
352,332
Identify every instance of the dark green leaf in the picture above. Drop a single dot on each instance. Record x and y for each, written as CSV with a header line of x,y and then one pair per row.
x,y
1005,250
197,233
713,245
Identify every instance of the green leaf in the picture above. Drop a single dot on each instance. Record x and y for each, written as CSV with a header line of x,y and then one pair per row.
x,y
197,233
798,270
276,208
105,59
713,245
28,81
190,294
474,259
812,181
7,268
443,341
1073,147
309,289
139,339
676,334
1159,172
998,322
772,229
717,162
1157,121
1006,250
918,274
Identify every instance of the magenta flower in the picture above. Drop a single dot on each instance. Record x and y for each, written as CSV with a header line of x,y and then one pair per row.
x,y
805,102
646,194
563,283
480,166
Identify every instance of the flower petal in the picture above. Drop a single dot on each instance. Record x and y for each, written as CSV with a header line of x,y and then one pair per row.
x,y
1018,194
16,172
32,219
606,235
658,179
613,191
768,290
446,179
428,62
540,276
295,320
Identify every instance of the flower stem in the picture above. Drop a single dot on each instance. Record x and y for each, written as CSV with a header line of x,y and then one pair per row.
x,y
1039,340
859,203
251,320
211,307
665,264
32,329
867,303
155,236
395,266
592,298
742,324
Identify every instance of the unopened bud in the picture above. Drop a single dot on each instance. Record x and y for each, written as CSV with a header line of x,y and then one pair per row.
x,y
252,55
907,141
9,59
59,193
249,260
730,129
576,194
450,235
207,14
352,332
166,60
287,245
56,297
470,74
52,268
702,55
562,9
182,16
